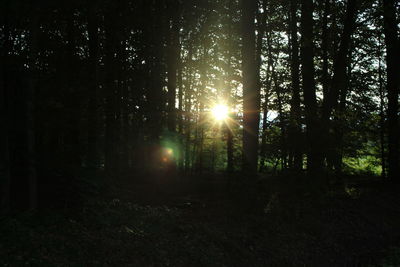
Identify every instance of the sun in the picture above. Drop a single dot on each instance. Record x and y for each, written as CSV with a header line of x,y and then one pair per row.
x,y
220,112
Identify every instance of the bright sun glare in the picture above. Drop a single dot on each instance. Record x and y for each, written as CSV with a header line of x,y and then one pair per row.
x,y
220,112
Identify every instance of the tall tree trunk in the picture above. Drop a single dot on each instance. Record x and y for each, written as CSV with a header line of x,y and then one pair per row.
x,y
267,91
92,154
336,147
200,123
325,48
381,110
110,88
228,96
295,110
188,107
251,88
155,95
392,86
172,62
339,77
5,176
314,153
180,110
72,101
282,123
263,146
30,102
338,89
122,131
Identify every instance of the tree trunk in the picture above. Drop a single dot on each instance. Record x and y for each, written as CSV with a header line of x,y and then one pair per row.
x,y
339,77
229,124
338,89
72,101
92,154
5,176
188,108
172,62
122,131
110,94
325,49
251,88
155,95
30,104
295,110
381,111
314,153
392,86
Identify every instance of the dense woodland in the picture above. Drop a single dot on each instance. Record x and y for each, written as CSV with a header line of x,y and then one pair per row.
x,y
99,95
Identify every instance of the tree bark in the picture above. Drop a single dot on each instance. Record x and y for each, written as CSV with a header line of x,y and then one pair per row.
x,y
314,153
338,83
72,100
155,104
295,110
325,48
110,91
30,104
5,176
251,88
92,154
382,127
172,62
392,86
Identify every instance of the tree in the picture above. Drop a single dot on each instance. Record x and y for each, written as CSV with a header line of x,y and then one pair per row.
x,y
314,153
251,88
295,132
30,116
338,86
4,117
93,34
392,85
173,59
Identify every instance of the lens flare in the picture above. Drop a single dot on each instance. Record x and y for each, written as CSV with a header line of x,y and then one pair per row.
x,y
220,112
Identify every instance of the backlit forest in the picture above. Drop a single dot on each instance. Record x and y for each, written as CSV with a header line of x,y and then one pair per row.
x,y
264,131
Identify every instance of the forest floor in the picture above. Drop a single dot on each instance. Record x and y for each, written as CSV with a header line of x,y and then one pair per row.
x,y
201,221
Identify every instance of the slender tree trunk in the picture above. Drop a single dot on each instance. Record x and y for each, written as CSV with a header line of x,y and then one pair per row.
x,y
325,48
188,108
30,102
392,86
155,94
381,111
337,126
5,176
338,89
72,101
295,110
180,111
92,154
263,148
228,95
314,153
200,126
123,136
229,150
282,122
110,94
202,118
172,62
251,88
339,77
267,89
268,84
180,96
